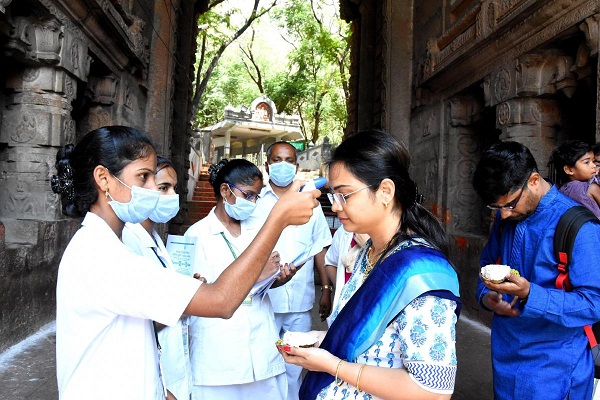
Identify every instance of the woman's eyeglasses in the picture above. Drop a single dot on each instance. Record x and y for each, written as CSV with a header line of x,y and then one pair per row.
x,y
250,196
341,198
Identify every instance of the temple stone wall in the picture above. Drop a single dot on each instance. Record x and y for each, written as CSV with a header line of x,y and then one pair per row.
x,y
70,67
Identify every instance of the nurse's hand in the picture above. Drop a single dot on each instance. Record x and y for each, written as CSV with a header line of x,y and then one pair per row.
x,y
294,207
199,277
286,273
271,267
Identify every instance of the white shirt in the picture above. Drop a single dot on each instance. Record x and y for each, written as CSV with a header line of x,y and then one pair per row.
x,y
106,299
309,239
173,340
242,348
339,246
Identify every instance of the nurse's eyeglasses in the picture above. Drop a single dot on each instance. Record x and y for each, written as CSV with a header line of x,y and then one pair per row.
x,y
250,196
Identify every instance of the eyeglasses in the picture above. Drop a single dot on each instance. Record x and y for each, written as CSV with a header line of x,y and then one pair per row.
x,y
511,206
341,198
253,197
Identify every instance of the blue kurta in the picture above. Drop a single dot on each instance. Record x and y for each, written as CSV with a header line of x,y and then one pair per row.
x,y
544,352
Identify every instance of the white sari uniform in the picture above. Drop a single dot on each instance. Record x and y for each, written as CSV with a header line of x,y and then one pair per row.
x,y
173,340
234,358
106,299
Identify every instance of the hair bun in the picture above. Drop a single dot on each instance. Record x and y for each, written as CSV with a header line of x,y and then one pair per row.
x,y
214,169
62,183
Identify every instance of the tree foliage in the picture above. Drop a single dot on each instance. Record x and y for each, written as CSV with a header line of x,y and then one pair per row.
x,y
309,79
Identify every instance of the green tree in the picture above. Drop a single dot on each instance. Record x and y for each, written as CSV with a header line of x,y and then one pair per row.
x,y
315,87
217,31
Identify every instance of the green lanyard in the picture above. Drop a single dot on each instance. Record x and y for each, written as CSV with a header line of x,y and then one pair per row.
x,y
229,245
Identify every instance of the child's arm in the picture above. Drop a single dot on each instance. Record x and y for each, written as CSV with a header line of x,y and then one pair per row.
x,y
594,192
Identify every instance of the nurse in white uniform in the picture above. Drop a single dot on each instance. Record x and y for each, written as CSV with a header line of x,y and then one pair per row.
x,y
107,296
234,358
145,241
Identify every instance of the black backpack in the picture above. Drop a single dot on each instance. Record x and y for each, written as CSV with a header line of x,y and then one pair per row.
x,y
564,238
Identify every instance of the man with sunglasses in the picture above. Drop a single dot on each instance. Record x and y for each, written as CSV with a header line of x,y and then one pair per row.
x,y
304,246
539,348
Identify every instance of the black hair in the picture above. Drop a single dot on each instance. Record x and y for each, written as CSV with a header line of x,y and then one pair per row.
x,y
503,168
372,156
237,172
162,162
113,147
270,149
567,154
596,149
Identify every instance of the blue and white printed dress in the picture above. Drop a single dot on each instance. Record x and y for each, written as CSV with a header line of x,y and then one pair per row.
x,y
421,340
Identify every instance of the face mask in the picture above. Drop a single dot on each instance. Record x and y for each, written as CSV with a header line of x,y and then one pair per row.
x,y
140,206
282,173
166,208
240,210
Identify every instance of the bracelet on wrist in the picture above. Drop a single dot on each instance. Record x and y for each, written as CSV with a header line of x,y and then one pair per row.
x,y
360,370
327,287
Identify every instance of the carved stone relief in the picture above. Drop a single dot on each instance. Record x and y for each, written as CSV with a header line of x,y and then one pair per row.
x,y
4,4
463,150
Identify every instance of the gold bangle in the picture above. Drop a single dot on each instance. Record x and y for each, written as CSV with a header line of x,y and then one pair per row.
x,y
327,287
337,371
358,377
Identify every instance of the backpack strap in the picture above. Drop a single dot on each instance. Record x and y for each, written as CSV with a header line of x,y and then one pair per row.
x,y
564,238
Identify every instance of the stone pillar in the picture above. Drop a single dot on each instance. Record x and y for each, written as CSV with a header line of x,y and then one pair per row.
x,y
463,151
519,92
227,145
591,28
37,119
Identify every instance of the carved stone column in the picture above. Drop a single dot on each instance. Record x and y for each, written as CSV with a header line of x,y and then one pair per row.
x,y
522,114
591,28
37,119
463,151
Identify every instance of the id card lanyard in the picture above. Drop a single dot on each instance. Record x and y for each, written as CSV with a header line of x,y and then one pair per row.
x,y
248,299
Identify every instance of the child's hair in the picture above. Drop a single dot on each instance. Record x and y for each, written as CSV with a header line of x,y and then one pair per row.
x,y
596,149
113,147
567,154
237,172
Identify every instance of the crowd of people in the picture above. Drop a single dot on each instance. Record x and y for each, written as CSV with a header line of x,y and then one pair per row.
x,y
129,325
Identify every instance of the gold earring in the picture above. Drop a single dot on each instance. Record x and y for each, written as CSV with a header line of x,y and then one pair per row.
x,y
106,193
385,203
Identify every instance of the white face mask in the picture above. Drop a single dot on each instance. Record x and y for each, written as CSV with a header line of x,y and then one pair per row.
x,y
166,208
282,173
138,209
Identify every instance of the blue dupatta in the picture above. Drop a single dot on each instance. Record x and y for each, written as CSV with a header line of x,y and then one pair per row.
x,y
400,278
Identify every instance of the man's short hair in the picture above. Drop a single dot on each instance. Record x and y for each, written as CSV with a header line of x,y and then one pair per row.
x,y
270,149
502,169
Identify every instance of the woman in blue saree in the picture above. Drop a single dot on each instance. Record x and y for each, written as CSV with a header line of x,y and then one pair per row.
x,y
393,330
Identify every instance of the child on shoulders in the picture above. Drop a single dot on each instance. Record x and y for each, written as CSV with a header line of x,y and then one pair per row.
x,y
576,173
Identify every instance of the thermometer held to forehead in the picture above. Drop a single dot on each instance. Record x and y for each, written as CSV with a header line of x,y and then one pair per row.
x,y
316,183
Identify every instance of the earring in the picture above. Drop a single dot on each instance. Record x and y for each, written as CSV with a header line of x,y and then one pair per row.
x,y
106,193
385,203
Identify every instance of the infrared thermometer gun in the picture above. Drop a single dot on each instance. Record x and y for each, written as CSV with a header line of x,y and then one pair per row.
x,y
313,184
